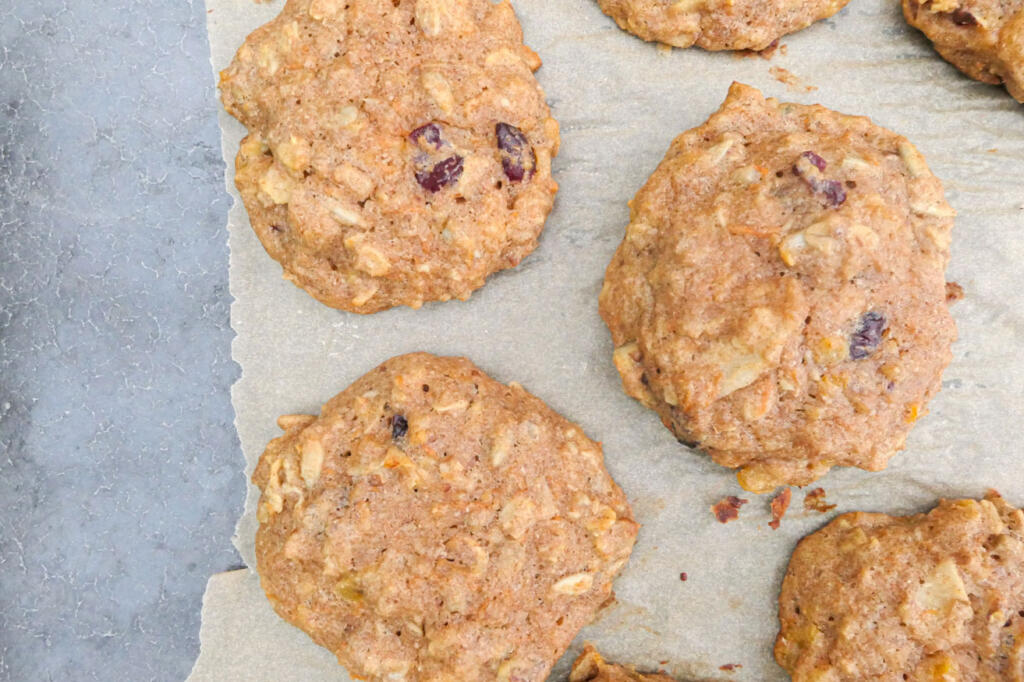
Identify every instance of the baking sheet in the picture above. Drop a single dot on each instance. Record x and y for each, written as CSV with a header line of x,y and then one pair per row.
x,y
620,101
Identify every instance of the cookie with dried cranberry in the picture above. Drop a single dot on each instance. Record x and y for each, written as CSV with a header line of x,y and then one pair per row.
x,y
718,24
982,38
399,151
591,667
435,524
936,596
779,298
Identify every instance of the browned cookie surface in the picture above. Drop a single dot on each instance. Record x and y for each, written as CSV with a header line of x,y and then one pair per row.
x,y
779,297
925,598
717,24
591,667
398,151
434,524
982,38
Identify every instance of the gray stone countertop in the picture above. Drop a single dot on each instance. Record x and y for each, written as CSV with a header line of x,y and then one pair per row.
x,y
120,469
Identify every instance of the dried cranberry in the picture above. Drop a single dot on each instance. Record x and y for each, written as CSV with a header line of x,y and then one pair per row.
x,y
517,156
441,175
818,162
427,136
832,189
962,17
399,427
868,335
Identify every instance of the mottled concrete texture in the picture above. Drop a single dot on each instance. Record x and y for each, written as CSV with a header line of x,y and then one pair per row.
x,y
119,465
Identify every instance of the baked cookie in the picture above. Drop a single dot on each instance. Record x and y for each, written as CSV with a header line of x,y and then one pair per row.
x,y
399,151
936,596
434,524
779,298
717,24
982,38
591,667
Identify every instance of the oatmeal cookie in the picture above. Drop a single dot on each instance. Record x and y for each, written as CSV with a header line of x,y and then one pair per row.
x,y
936,596
717,24
399,151
779,297
434,524
591,667
982,38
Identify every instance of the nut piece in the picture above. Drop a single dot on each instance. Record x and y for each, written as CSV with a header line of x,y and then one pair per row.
x,y
941,589
312,461
574,585
439,89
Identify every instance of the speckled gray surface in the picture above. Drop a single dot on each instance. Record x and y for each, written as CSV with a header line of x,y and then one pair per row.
x,y
119,464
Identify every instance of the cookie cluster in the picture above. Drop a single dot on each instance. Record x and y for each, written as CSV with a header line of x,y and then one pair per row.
x,y
778,300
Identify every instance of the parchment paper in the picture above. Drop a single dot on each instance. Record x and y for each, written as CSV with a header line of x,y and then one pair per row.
x,y
620,101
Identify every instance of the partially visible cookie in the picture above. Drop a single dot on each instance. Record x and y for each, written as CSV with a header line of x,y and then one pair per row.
x,y
434,524
591,667
931,597
982,38
399,151
779,297
717,24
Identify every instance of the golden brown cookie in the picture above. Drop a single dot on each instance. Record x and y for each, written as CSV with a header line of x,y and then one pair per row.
x,y
434,524
779,297
399,151
925,598
982,38
591,667
718,24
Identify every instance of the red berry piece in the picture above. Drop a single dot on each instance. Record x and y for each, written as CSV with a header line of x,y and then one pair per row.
x,y
868,335
517,156
427,137
441,175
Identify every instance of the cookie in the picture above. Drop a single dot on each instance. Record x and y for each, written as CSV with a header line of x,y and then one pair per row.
x,y
434,524
779,297
982,38
717,24
399,151
591,667
936,596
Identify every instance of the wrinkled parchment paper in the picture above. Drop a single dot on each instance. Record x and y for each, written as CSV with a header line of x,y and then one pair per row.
x,y
620,101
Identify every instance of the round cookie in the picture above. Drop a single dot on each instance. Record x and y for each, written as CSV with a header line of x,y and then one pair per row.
x,y
591,667
936,596
982,38
717,24
398,151
434,524
779,297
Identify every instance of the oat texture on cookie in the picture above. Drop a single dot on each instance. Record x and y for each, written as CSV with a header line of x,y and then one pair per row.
x,y
779,297
925,598
982,38
590,666
718,24
434,524
399,151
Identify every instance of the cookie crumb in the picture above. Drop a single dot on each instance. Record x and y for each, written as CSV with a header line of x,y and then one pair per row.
x,y
954,292
730,667
728,509
780,503
790,80
815,501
